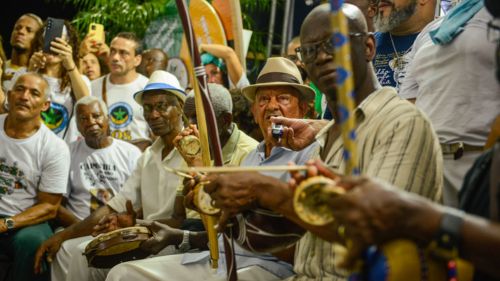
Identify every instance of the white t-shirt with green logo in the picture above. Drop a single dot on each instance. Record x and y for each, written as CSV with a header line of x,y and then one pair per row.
x,y
38,163
59,117
96,175
126,118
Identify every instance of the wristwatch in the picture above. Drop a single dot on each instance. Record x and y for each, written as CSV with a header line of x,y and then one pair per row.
x,y
446,242
184,246
9,223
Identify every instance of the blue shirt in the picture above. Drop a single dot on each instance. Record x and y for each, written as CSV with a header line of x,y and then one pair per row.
x,y
391,69
244,258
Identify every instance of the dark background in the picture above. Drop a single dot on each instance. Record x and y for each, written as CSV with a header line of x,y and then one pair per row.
x,y
10,12
58,9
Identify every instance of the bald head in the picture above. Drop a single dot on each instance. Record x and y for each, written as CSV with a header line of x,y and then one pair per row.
x,y
152,59
317,51
319,18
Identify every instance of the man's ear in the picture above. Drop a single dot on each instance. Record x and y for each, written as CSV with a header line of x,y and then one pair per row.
x,y
228,118
46,105
138,60
370,47
253,110
304,108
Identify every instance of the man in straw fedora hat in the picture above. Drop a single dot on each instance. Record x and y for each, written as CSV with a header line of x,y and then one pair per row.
x,y
150,188
395,142
278,91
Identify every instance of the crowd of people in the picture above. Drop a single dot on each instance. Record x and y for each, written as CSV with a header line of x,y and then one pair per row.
x,y
95,136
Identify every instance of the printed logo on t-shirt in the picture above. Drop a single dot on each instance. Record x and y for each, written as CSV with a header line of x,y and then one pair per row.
x,y
99,197
56,117
121,115
97,176
391,70
11,178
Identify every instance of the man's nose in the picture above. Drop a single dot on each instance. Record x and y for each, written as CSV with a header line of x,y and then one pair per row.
x,y
25,94
210,78
322,56
273,103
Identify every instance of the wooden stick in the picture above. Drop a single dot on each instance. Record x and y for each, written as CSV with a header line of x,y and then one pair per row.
x,y
242,169
184,172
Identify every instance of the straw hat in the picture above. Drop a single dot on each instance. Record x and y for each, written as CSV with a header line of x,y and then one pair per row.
x,y
279,71
162,80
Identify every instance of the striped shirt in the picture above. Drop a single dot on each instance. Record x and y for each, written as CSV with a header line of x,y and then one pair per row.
x,y
396,143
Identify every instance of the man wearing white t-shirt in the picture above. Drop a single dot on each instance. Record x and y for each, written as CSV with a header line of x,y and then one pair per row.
x,y
452,83
126,120
150,188
100,165
34,165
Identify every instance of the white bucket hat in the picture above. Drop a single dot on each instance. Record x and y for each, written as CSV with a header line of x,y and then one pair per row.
x,y
162,80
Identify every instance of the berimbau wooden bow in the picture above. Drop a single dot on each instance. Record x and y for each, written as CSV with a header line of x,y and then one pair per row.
x,y
208,128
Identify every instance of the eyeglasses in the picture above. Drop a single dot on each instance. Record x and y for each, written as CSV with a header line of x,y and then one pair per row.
x,y
493,34
282,99
159,107
308,52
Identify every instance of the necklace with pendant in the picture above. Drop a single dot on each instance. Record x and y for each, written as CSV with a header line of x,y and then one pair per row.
x,y
398,60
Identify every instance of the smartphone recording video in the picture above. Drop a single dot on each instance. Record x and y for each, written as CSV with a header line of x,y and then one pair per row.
x,y
53,29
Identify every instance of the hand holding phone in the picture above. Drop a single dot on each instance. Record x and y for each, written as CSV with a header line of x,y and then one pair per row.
x,y
53,29
96,33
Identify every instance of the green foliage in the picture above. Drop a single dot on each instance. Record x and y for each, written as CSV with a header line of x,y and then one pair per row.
x,y
116,15
136,15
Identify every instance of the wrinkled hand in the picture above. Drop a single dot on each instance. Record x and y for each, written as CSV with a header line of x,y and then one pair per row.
x,y
372,212
47,250
37,61
116,220
314,168
191,160
232,193
188,190
161,238
297,133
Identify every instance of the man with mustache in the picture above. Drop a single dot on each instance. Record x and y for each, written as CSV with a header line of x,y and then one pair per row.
x,y
397,24
279,91
34,165
395,142
449,74
117,89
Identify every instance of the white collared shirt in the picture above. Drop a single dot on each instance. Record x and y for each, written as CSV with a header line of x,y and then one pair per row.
x,y
151,187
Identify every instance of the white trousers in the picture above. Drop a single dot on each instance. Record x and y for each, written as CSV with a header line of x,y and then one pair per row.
x,y
169,268
68,257
71,265
454,174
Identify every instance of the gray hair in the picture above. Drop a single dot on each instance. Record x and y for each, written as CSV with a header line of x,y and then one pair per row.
x,y
219,96
90,99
